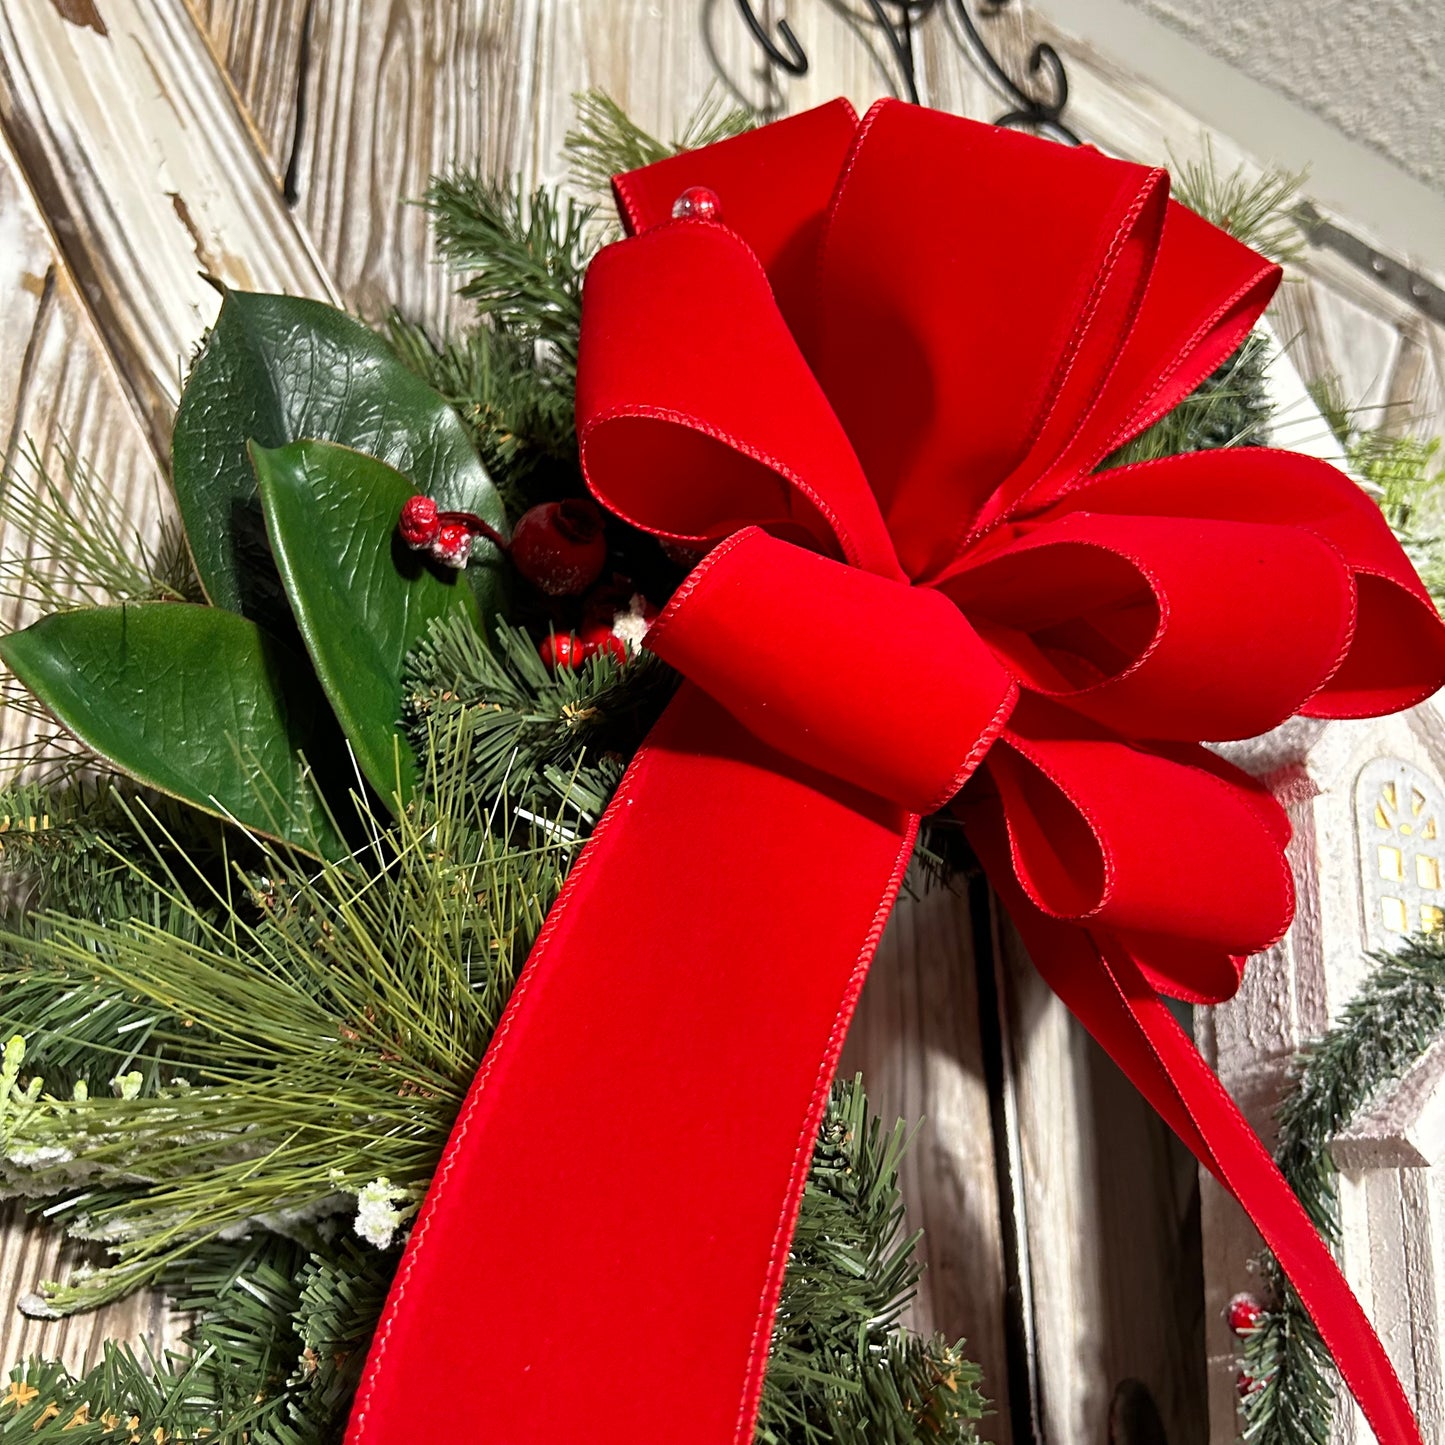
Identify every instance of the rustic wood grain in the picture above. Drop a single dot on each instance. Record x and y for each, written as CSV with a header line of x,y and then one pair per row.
x,y
259,46
148,179
277,143
917,1041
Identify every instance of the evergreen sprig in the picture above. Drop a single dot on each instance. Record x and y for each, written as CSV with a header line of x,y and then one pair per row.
x,y
1406,476
542,740
374,988
1255,209
80,546
840,1368
1397,1014
1229,408
523,255
605,141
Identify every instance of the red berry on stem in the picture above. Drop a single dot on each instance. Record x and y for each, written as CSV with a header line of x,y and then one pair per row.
x,y
561,649
1244,1313
598,637
560,547
452,544
1245,1384
419,522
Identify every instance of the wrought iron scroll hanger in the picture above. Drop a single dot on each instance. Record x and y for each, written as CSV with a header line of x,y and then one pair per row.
x,y
1037,109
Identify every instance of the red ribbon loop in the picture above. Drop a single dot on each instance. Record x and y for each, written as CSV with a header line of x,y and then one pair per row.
x,y
899,361
1073,800
1166,627
796,646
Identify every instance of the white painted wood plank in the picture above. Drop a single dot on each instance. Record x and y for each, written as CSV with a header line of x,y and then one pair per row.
x,y
147,177
916,1041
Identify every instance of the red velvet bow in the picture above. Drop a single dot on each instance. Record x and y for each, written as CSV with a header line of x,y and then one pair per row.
x,y
878,389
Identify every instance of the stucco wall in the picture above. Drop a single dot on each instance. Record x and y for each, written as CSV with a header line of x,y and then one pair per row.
x,y
1374,68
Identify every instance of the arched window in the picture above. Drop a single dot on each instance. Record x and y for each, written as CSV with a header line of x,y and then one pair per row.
x,y
1398,819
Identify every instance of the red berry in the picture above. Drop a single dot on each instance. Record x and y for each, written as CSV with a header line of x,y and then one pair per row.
x,y
560,546
452,544
697,203
1244,1313
598,637
418,523
1245,1384
561,649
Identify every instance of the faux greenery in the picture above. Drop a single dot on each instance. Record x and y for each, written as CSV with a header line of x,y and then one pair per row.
x,y
293,542
1406,475
231,1055
1254,208
1397,1014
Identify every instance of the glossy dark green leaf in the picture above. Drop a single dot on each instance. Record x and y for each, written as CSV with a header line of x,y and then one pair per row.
x,y
276,369
362,598
195,701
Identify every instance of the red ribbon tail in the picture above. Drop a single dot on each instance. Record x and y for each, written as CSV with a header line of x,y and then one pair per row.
x,y
1105,990
613,1212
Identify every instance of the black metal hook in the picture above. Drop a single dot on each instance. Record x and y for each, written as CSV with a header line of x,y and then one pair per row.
x,y
1030,111
795,61
900,36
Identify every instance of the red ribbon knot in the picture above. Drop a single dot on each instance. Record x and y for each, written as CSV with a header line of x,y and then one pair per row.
x,y
880,394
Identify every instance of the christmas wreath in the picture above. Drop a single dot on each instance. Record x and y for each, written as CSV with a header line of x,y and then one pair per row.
x,y
360,727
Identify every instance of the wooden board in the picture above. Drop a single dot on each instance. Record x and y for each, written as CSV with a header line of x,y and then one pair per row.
x,y
279,144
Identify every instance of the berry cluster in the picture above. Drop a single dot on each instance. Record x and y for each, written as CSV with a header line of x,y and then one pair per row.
x,y
1244,1314
561,549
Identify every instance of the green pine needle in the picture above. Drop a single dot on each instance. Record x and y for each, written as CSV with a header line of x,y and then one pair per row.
x,y
1398,1013
81,548
371,990
840,1371
523,256
554,742
1406,476
1229,408
606,141
1255,209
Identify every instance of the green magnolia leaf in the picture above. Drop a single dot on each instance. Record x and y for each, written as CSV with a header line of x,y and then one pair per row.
x,y
276,369
362,598
195,701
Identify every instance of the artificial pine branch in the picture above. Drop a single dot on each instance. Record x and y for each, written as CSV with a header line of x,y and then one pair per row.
x,y
373,988
555,741
1406,476
80,546
1255,209
523,256
605,141
1229,408
1398,1013
841,1372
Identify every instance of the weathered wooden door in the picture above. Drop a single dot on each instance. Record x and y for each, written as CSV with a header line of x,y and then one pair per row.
x,y
274,144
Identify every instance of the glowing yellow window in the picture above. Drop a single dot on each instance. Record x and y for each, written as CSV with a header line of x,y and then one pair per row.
x,y
1432,919
1392,862
1427,871
1393,915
